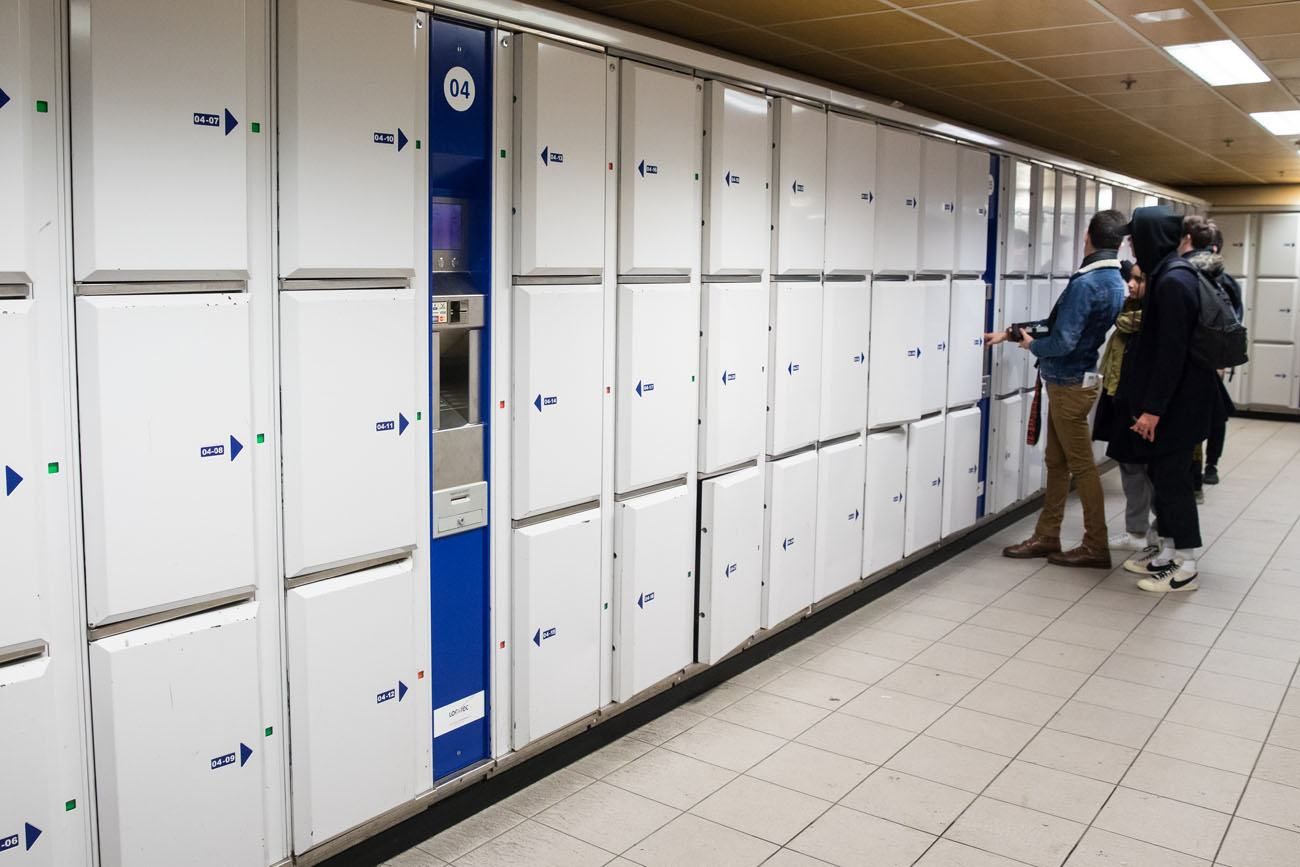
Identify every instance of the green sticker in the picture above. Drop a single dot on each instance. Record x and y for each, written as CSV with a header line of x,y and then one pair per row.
x,y
261,438
503,153
52,467
419,415
255,126
42,106
269,731
69,806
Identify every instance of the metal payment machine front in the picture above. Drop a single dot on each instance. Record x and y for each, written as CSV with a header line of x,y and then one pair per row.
x,y
460,489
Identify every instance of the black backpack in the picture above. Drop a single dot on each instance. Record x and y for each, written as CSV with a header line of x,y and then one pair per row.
x,y
1219,340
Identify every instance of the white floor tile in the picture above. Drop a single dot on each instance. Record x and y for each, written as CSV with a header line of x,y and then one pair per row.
x,y
908,800
848,838
812,771
1016,832
691,840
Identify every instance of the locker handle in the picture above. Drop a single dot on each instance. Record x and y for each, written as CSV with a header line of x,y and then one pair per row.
x,y
460,498
24,652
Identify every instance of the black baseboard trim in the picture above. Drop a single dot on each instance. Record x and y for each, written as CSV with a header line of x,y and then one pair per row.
x,y
1266,415
478,796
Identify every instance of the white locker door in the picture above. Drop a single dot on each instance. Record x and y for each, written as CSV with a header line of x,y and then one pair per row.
x,y
795,359
934,358
1007,436
159,149
1040,307
898,176
557,397
1275,310
22,590
973,182
924,522
1272,375
734,371
559,221
841,475
897,378
799,192
347,397
1019,230
938,233
885,502
654,589
1236,243
731,562
659,149
850,194
15,145
789,555
178,731
348,102
1279,245
556,677
737,163
657,400
961,467
966,343
1044,221
166,416
846,329
1063,257
29,720
1011,362
354,736
1033,474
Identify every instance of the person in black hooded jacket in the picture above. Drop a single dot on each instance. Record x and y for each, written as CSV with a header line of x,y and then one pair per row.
x,y
1165,400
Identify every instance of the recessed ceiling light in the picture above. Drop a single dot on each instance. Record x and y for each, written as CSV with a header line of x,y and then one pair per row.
x,y
1278,122
1162,15
1218,63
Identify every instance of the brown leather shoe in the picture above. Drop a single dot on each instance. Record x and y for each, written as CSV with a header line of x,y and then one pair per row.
x,y
1034,546
1082,558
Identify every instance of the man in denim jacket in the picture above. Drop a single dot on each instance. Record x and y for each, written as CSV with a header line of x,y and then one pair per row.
x,y
1067,364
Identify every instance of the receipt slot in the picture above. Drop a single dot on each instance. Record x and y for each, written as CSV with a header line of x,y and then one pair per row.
x,y
460,490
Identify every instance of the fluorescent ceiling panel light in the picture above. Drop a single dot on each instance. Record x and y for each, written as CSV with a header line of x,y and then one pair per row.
x,y
967,134
1278,122
1162,15
1218,63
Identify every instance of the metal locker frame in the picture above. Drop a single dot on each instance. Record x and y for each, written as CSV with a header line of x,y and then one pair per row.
x,y
841,479
885,503
23,591
850,194
1277,252
30,695
1276,304
974,189
1007,438
923,521
1238,244
937,232
1011,362
794,386
798,188
730,562
966,339
1020,239
898,179
1273,377
896,375
961,485
846,341
1067,229
938,309
737,165
790,536
1043,220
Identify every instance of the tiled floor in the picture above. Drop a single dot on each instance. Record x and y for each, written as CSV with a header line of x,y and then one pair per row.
x,y
991,713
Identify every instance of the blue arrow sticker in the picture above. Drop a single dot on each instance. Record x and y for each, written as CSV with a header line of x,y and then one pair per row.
x,y
796,187
4,98
235,447
32,833
245,752
785,546
854,515
730,570
898,498
868,196
402,424
646,168
231,123
401,690
537,638
643,387
12,480
401,139
541,401
859,358
732,179
791,368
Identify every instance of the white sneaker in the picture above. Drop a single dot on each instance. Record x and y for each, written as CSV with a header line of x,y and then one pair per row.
x,y
1128,541
1174,578
1139,563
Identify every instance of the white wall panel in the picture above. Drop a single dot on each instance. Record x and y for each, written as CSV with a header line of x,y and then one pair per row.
x,y
657,398
841,477
1040,307
348,102
1272,375
1238,247
934,359
556,594
557,396
790,541
354,731
733,371
799,188
1275,310
159,124
794,359
347,397
654,589
737,163
845,335
23,589
885,503
973,190
924,521
1279,245
966,343
178,732
29,719
166,419
897,376
1006,438
898,179
659,150
559,220
731,561
850,194
1033,474
938,229
961,461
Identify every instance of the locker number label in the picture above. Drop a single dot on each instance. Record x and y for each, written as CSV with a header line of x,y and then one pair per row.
x,y
458,88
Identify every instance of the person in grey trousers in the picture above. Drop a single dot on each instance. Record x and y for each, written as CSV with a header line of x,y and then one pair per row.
x,y
1139,532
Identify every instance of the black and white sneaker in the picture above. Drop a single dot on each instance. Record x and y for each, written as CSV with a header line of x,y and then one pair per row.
x,y
1139,563
1174,578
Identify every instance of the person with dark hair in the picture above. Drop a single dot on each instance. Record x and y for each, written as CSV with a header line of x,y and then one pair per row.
x,y
1210,263
1165,398
1067,365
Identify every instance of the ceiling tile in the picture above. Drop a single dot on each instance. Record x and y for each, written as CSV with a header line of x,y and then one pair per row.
x,y
1268,96
764,12
752,42
671,17
1062,40
1165,79
1143,99
1284,68
1292,84
978,17
907,55
1234,4
821,64
1198,28
1274,47
969,73
1271,20
1035,90
1117,63
857,31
